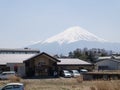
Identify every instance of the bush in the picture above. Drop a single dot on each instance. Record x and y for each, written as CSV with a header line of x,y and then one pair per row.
x,y
92,88
79,79
105,85
14,79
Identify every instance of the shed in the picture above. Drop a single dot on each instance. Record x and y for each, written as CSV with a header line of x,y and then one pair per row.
x,y
108,64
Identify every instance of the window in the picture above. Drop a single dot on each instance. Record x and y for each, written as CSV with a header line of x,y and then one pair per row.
x,y
42,62
16,86
4,73
10,87
103,67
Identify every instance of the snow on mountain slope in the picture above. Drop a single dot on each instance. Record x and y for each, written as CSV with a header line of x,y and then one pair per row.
x,y
72,38
73,34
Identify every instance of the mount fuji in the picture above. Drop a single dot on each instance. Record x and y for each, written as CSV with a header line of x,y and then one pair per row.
x,y
71,39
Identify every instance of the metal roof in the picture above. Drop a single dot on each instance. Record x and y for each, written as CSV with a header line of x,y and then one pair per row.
x,y
115,60
43,53
109,57
106,57
14,58
117,57
72,61
19,49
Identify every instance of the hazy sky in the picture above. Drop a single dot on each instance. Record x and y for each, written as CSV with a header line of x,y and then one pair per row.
x,y
23,21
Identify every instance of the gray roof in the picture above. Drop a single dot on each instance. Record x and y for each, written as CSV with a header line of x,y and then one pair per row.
x,y
117,57
43,53
14,58
109,57
72,61
19,49
106,57
115,60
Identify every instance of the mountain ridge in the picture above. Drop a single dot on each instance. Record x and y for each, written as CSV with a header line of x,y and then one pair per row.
x,y
73,34
72,38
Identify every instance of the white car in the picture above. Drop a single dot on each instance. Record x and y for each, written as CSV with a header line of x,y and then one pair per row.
x,y
66,74
7,74
13,86
75,73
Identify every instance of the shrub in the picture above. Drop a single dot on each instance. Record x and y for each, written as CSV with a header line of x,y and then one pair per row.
x,y
92,88
102,86
79,79
14,79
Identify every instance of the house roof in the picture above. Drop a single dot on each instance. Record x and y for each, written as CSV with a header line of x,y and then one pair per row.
x,y
115,60
72,61
19,49
106,57
43,53
109,57
14,58
117,57
20,58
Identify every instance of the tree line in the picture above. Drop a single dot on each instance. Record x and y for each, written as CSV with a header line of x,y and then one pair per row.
x,y
86,54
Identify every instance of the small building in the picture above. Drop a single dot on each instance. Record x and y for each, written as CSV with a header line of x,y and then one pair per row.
x,y
73,64
12,59
108,63
41,64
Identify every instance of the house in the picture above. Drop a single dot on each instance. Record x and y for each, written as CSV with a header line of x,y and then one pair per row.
x,y
12,59
41,64
108,63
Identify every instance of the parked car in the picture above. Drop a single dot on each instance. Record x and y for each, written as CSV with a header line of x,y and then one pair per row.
x,y
66,74
7,74
75,73
13,86
83,71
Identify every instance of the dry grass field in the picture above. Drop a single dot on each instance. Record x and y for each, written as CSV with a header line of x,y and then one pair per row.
x,y
66,84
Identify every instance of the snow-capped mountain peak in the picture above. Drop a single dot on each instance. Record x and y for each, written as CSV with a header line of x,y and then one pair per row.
x,y
72,38
73,34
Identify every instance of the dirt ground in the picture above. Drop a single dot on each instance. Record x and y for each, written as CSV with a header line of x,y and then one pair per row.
x,y
67,84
